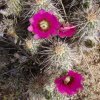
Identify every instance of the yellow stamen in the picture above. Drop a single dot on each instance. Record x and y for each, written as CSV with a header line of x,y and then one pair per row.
x,y
67,80
44,25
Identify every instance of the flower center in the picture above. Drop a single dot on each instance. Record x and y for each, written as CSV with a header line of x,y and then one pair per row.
x,y
44,25
68,80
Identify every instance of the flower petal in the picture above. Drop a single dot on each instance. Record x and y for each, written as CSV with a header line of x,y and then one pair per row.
x,y
67,31
30,28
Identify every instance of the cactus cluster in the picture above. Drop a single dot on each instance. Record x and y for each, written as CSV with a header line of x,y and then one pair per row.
x,y
56,53
33,61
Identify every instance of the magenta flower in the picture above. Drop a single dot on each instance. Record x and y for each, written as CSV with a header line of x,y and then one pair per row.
x,y
69,84
67,31
44,24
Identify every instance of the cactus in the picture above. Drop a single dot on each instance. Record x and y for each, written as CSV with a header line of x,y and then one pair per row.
x,y
87,19
29,66
89,43
32,45
57,54
14,7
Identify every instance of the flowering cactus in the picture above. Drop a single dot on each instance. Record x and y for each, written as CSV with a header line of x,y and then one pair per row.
x,y
46,45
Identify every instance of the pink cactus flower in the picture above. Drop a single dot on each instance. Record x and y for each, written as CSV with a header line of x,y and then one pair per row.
x,y
69,84
67,31
44,24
